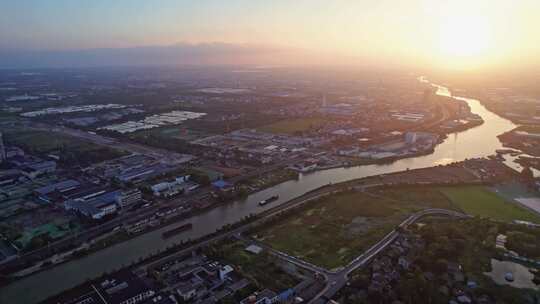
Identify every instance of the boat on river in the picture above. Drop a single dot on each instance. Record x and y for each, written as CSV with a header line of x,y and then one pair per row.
x,y
268,200
177,230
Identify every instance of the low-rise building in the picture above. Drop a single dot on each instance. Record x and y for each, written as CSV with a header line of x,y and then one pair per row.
x,y
129,197
14,151
223,186
172,188
95,207
264,297
46,193
305,166
120,288
34,170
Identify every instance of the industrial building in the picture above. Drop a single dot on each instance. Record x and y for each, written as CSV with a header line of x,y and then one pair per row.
x,y
36,169
129,197
120,288
95,207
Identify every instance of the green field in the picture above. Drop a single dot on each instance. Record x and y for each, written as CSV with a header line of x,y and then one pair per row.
x,y
292,126
179,133
260,269
477,200
70,149
334,230
38,141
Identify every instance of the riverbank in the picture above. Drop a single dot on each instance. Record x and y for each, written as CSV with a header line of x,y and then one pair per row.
x,y
378,185
277,177
476,142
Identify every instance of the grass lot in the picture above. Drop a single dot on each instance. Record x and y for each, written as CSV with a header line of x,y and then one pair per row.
x,y
334,230
292,126
7,116
180,133
44,142
260,269
477,200
70,149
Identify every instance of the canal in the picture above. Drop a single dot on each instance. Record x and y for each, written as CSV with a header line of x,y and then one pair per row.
x,y
480,141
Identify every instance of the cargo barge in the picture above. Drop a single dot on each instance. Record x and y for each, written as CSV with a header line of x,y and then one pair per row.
x,y
176,230
268,200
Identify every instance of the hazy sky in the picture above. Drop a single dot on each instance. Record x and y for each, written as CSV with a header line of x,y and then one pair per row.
x,y
443,32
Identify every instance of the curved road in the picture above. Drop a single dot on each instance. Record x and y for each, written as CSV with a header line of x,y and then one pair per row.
x,y
336,280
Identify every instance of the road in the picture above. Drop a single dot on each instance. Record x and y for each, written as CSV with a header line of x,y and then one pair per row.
x,y
128,217
263,217
161,154
335,280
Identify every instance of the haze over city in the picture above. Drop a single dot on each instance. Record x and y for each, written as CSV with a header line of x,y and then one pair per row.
x,y
260,152
442,34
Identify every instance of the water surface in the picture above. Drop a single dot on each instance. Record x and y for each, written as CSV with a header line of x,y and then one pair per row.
x,y
480,141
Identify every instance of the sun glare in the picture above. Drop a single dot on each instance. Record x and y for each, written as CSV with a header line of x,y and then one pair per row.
x,y
464,37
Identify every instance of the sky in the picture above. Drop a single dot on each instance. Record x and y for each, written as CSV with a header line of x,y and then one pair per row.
x,y
457,33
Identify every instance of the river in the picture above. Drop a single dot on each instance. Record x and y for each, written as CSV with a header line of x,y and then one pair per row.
x,y
480,141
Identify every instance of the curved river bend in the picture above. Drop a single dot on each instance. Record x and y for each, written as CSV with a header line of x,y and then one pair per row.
x,y
477,142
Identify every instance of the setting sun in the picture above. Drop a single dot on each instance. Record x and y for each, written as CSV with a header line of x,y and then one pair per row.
x,y
465,41
464,37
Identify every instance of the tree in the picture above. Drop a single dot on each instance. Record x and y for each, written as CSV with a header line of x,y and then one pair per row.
x,y
441,266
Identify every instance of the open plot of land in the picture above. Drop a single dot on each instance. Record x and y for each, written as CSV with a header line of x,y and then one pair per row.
x,y
260,268
477,200
38,141
171,133
70,149
292,126
334,230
